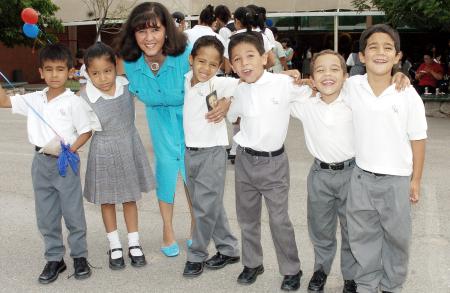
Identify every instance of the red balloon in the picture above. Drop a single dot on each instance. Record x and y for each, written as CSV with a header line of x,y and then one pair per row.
x,y
29,15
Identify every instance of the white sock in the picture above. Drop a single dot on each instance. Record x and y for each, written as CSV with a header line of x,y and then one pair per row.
x,y
114,242
133,240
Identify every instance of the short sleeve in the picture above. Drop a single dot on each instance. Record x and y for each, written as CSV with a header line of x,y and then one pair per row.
x,y
235,110
19,106
350,60
417,122
280,51
80,116
298,93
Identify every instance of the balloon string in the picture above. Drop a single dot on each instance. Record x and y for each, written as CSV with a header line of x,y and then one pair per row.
x,y
32,109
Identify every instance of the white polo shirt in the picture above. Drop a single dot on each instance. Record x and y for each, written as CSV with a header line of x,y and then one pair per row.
x,y
264,107
328,128
198,132
198,31
67,113
384,126
225,32
267,44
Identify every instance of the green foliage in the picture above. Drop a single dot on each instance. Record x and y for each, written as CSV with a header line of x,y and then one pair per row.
x,y
11,22
424,14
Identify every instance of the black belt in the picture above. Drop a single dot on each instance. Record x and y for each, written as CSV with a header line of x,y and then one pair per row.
x,y
264,154
38,149
373,173
335,166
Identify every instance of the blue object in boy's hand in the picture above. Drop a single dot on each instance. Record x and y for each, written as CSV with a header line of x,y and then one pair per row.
x,y
66,157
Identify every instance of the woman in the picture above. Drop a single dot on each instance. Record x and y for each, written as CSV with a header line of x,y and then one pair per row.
x,y
155,55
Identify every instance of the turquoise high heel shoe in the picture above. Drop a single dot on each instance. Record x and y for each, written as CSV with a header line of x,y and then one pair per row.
x,y
171,250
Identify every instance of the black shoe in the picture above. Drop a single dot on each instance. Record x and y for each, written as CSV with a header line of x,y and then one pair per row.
x,y
317,281
117,263
219,261
137,261
249,275
82,269
291,282
386,291
51,271
193,269
350,286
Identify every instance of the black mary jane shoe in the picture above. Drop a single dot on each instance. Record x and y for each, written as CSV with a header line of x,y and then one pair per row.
x,y
82,269
193,269
249,275
117,263
291,282
137,261
51,271
219,261
350,287
318,281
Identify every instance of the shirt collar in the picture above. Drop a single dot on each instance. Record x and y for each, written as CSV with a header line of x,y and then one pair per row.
x,y
94,93
365,84
265,78
317,99
67,92
142,65
188,77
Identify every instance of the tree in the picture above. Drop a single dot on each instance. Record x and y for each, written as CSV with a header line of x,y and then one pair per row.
x,y
11,22
107,13
424,14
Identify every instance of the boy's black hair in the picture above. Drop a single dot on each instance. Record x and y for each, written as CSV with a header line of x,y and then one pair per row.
x,y
252,38
56,52
223,13
207,15
98,50
379,28
208,41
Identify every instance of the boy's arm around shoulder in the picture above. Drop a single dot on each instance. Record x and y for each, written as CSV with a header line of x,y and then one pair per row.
x,y
225,89
5,100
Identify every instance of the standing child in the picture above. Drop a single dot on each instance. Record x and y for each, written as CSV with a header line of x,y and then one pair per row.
x,y
56,196
117,169
328,128
390,132
206,157
263,102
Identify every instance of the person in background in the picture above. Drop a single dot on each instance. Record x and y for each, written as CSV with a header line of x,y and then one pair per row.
x,y
356,66
224,22
286,43
280,54
204,27
428,74
180,20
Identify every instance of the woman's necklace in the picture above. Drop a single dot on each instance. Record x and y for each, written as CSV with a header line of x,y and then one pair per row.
x,y
154,66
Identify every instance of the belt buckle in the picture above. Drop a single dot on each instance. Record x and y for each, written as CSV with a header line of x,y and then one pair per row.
x,y
336,166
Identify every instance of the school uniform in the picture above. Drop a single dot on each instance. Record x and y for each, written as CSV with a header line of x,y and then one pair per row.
x,y
262,166
205,164
328,132
267,44
378,207
198,31
56,196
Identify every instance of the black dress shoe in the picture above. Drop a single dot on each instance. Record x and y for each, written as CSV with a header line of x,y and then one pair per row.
x,y
291,282
82,269
249,275
193,269
219,261
349,286
317,281
386,291
137,261
117,263
51,271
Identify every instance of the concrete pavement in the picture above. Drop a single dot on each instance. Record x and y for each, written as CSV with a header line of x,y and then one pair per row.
x,y
21,247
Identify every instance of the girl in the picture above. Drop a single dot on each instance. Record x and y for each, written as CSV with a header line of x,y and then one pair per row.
x,y
117,170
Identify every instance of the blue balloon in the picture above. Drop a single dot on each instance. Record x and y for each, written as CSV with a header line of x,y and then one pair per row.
x,y
30,30
269,22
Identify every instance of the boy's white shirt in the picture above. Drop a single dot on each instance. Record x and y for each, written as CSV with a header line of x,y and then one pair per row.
x,y
198,132
328,128
264,108
67,113
384,126
94,93
198,31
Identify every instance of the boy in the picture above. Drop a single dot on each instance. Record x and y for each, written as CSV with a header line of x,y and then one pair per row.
x,y
205,158
263,101
390,132
328,128
56,196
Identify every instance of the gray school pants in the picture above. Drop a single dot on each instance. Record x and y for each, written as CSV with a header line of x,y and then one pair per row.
x,y
57,197
379,227
205,180
327,199
268,177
